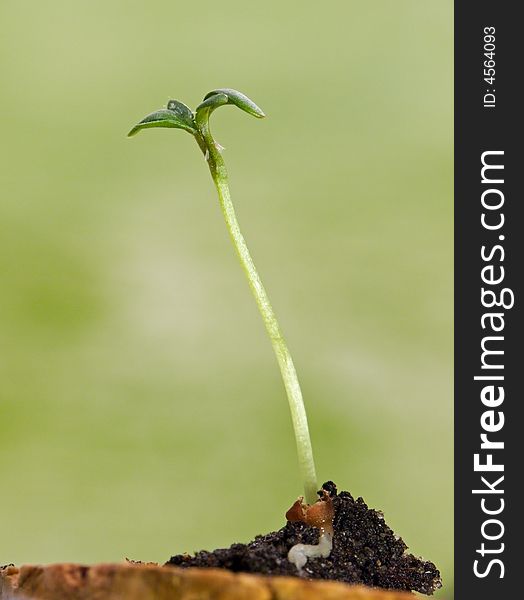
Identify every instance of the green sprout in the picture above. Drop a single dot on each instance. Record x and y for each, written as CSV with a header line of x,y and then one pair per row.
x,y
178,116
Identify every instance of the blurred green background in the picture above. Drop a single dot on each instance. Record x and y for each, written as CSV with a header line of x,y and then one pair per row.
x,y
142,412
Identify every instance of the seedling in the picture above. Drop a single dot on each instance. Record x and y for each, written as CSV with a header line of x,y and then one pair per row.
x,y
353,543
178,116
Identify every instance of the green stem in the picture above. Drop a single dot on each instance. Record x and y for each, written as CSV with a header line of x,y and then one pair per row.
x,y
294,394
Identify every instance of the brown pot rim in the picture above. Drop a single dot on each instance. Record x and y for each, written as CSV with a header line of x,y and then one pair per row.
x,y
141,581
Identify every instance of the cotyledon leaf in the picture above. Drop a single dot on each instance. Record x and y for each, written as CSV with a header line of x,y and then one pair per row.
x,y
177,115
238,99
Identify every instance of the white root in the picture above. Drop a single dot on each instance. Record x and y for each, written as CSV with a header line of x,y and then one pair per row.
x,y
299,553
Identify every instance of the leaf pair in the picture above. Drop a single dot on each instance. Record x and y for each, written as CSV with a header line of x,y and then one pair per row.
x,y
178,116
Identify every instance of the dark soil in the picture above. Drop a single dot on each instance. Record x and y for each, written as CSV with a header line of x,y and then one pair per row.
x,y
365,550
